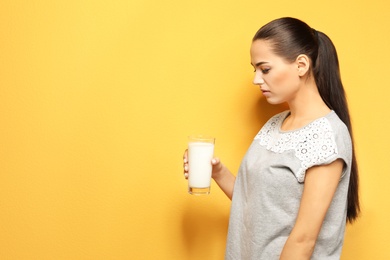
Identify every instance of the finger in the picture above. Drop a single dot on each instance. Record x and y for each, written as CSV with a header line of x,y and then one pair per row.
x,y
215,161
185,156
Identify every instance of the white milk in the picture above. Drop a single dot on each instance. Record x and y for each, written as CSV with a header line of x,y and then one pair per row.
x,y
199,162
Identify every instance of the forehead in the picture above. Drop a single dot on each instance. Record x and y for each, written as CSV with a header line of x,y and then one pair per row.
x,y
262,50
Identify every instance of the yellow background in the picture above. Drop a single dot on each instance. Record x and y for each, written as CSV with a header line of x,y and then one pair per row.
x,y
97,99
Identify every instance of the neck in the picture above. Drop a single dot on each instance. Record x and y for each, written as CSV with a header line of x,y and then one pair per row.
x,y
306,106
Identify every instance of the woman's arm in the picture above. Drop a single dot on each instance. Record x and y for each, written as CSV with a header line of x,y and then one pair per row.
x,y
320,185
221,175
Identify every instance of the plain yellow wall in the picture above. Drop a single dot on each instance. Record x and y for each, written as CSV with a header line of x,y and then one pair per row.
x,y
97,99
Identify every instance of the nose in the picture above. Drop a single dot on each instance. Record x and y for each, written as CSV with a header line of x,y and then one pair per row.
x,y
258,80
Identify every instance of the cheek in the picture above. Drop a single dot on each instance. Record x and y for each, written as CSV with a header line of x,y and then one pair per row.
x,y
285,79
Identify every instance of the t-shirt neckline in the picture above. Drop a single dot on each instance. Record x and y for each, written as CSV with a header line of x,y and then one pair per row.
x,y
287,113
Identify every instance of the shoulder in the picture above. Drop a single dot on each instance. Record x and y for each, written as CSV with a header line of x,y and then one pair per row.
x,y
327,136
336,123
340,131
324,140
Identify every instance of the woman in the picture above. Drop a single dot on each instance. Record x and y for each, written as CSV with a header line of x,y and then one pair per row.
x,y
298,182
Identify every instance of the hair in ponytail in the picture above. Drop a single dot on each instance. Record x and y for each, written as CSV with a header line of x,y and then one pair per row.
x,y
291,37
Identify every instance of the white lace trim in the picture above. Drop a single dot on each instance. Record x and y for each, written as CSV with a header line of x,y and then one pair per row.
x,y
313,144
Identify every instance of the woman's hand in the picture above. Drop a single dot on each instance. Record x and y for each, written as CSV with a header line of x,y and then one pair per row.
x,y
215,162
221,175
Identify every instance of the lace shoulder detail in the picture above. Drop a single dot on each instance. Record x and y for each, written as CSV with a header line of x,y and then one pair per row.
x,y
313,144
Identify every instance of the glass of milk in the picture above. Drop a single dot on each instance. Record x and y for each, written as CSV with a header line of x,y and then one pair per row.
x,y
200,153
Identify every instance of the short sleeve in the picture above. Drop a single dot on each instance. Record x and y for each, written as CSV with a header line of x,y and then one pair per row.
x,y
323,144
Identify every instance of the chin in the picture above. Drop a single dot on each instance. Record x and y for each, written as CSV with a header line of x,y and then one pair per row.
x,y
275,101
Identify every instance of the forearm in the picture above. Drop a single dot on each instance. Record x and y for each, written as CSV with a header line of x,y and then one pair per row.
x,y
225,180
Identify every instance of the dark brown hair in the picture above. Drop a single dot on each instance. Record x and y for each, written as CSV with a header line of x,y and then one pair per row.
x,y
291,37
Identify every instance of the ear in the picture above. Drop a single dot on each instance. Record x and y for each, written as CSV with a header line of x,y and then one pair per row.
x,y
303,64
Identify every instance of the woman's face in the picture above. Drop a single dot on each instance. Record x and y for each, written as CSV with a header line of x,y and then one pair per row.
x,y
278,79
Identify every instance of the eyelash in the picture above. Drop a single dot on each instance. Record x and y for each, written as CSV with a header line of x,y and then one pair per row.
x,y
264,71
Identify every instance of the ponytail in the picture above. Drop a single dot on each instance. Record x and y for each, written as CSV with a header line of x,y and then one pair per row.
x,y
327,76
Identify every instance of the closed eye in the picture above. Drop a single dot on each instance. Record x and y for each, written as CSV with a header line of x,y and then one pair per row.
x,y
265,71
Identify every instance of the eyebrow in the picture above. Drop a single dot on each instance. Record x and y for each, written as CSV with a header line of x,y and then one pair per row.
x,y
259,63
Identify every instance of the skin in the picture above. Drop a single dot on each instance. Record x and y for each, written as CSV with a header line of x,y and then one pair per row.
x,y
282,81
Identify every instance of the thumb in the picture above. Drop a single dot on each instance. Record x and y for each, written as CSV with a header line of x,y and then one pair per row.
x,y
215,161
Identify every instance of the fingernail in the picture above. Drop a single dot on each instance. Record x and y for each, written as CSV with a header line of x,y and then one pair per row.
x,y
186,168
185,160
213,161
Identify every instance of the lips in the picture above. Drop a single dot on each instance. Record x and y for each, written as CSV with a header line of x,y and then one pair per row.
x,y
265,92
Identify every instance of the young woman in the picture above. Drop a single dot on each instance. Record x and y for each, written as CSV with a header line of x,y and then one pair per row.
x,y
297,185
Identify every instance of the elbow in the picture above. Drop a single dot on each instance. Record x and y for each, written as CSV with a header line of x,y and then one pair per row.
x,y
298,247
307,243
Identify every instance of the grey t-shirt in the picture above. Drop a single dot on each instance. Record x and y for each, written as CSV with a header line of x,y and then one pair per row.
x,y
269,186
